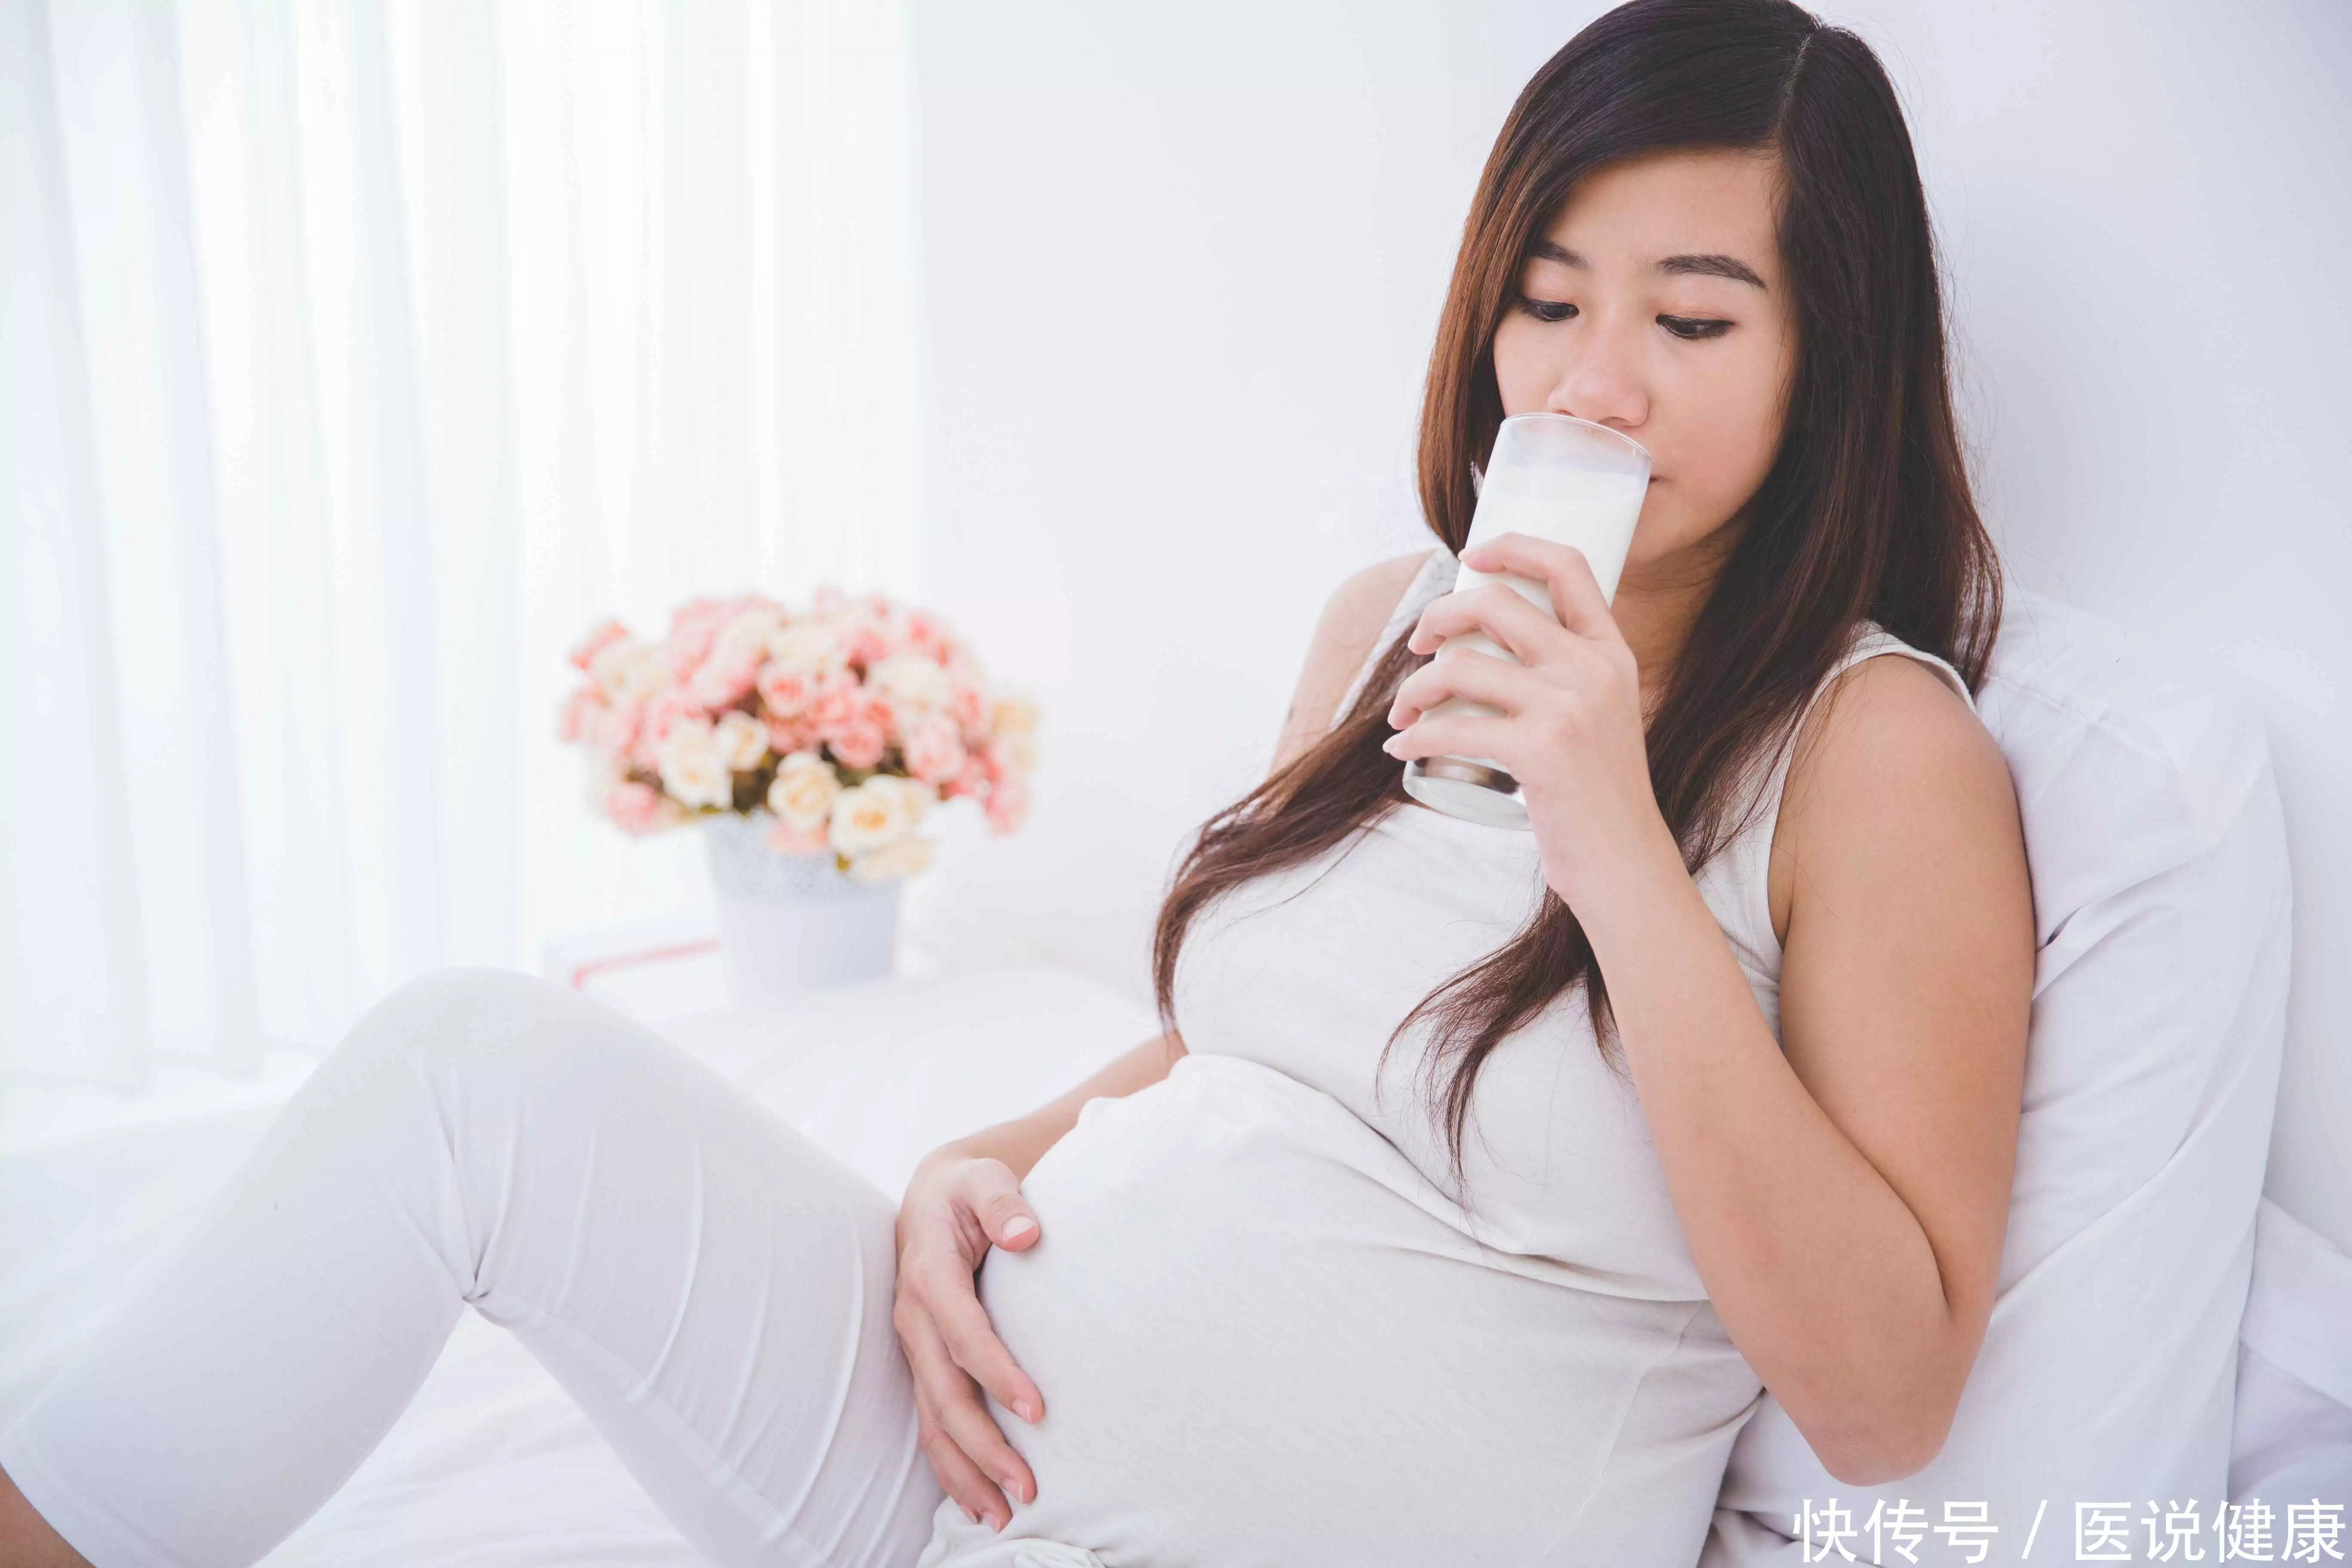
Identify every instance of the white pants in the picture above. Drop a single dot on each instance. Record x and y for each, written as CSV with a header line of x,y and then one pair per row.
x,y
713,1289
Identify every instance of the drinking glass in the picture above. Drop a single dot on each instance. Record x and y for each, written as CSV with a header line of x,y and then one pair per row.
x,y
1553,477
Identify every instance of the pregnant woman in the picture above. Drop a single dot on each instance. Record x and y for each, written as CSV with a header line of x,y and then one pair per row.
x,y
1483,1180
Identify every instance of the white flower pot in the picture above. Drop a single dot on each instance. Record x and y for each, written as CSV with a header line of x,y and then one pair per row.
x,y
792,923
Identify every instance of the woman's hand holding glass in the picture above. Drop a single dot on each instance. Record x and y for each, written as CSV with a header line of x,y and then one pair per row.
x,y
1570,729
957,1205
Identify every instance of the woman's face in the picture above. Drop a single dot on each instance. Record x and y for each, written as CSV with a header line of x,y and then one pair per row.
x,y
1656,305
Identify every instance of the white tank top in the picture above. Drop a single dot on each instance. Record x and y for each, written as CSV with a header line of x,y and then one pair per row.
x,y
1267,1328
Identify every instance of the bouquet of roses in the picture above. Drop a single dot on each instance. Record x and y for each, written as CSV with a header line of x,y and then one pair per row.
x,y
844,721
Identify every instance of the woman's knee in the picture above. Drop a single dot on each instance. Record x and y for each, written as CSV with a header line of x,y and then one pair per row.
x,y
477,1020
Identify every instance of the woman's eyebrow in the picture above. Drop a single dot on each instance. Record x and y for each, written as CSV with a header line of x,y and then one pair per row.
x,y
1729,267
1711,266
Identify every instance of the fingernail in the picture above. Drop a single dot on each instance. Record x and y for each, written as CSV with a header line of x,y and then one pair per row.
x,y
1026,1411
1018,1225
1012,1489
971,1514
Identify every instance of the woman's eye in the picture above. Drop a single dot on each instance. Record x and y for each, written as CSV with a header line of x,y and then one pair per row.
x,y
1547,309
1692,328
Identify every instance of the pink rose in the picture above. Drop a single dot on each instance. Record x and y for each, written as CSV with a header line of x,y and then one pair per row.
x,y
859,745
863,643
968,706
616,730
662,715
725,677
786,736
699,623
787,692
971,779
601,636
692,628
634,807
838,702
926,634
1008,803
935,750
581,712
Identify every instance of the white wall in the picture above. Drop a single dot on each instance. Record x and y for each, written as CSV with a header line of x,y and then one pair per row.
x,y
1179,274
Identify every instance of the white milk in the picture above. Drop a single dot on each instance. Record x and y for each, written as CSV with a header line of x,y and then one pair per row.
x,y
1593,511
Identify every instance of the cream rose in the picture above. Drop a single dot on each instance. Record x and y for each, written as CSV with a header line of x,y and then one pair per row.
x,y
741,740
913,684
691,769
808,646
1012,723
899,857
919,796
881,810
1013,715
752,625
803,793
629,670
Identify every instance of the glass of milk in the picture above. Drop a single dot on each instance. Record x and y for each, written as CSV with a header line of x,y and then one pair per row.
x,y
1556,478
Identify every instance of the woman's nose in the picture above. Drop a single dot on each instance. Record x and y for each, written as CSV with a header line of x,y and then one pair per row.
x,y
1602,384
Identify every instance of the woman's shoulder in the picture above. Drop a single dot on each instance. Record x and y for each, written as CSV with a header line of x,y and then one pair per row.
x,y
1893,759
1360,605
1346,634
1889,702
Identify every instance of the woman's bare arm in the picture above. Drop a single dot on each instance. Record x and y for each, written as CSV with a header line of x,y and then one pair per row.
x,y
1844,1191
1022,1142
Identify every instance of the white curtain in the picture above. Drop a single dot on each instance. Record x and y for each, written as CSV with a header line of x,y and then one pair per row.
x,y
354,355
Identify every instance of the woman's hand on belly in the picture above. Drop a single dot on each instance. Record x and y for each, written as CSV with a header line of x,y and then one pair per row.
x,y
956,1207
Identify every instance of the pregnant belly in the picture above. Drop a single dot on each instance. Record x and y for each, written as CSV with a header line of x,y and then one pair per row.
x,y
1260,1340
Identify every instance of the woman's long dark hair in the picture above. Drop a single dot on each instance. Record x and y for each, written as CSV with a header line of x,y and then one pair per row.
x,y
1864,512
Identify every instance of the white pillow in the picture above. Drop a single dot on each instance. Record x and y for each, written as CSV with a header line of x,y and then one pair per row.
x,y
2160,892
2292,1440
